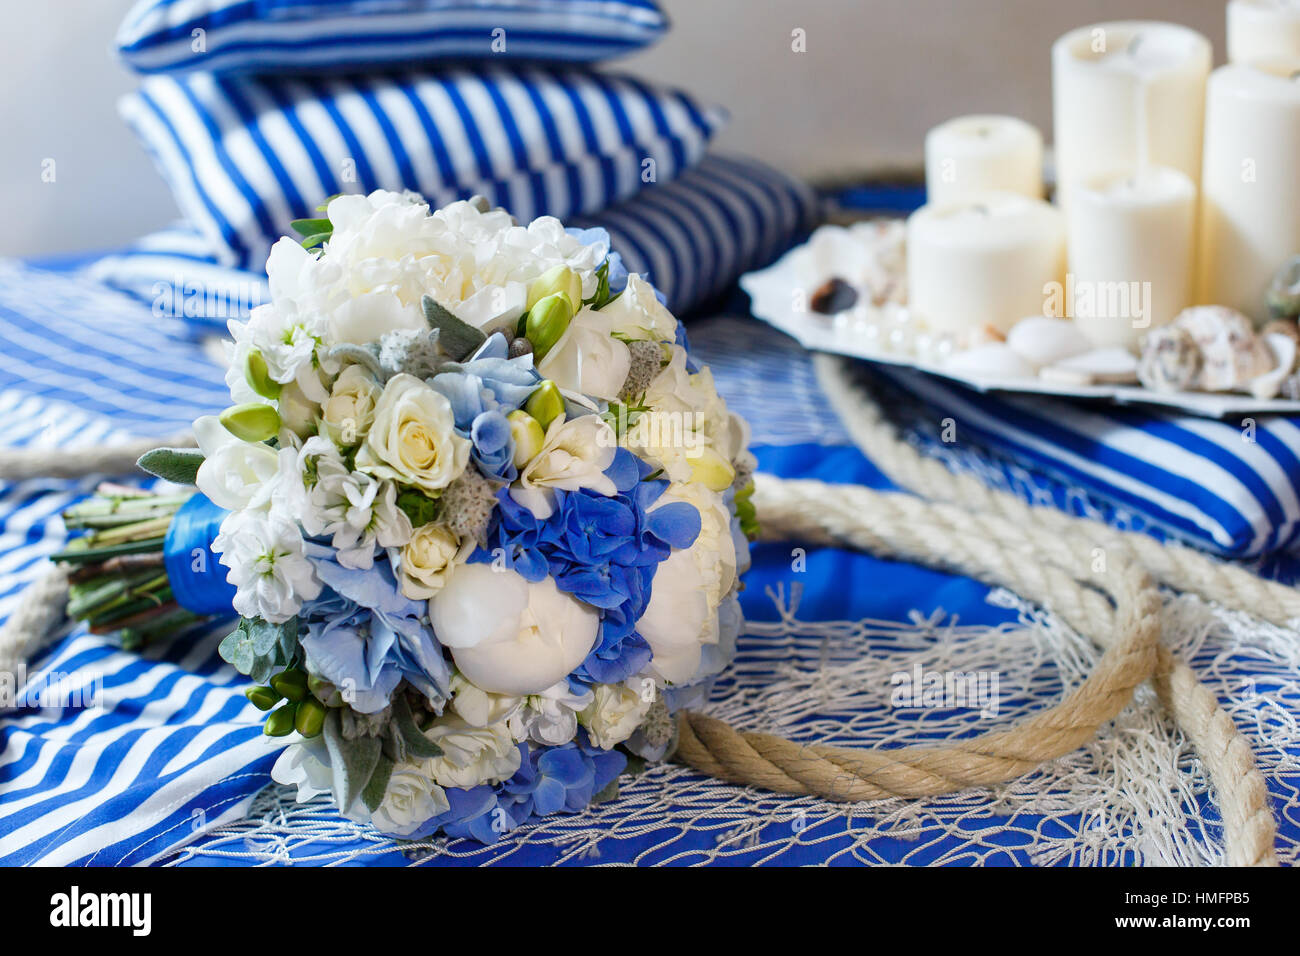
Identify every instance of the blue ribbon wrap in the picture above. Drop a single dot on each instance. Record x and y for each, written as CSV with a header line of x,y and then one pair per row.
x,y
197,578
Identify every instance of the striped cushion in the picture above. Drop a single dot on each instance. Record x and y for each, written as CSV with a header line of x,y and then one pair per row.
x,y
244,157
271,36
692,238
1227,486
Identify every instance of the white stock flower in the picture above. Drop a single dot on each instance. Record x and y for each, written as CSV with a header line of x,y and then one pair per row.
x,y
550,717
471,755
235,474
412,439
616,710
689,586
587,359
508,635
638,314
264,552
428,559
575,455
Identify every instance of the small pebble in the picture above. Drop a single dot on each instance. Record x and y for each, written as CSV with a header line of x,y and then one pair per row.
x,y
519,347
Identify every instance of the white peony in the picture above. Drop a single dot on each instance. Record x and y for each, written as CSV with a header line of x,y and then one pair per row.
x,y
550,717
235,474
428,559
587,359
508,635
638,314
616,710
471,755
689,586
412,439
575,455
264,552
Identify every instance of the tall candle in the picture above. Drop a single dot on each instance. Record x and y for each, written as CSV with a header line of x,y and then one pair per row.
x,y
1127,94
1250,196
1263,29
1131,253
973,154
986,260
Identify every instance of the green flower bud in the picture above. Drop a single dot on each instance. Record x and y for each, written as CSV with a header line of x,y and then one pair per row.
x,y
263,698
280,723
545,404
325,692
559,279
712,470
291,684
251,421
259,377
309,718
546,322
528,435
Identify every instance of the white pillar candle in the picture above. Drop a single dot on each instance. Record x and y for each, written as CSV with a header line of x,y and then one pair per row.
x,y
1263,29
1125,95
1132,245
1250,196
974,154
988,260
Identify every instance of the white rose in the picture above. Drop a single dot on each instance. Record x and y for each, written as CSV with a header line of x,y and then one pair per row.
x,y
411,799
235,474
350,410
271,575
638,314
471,755
508,635
587,359
412,438
429,558
575,455
689,586
617,710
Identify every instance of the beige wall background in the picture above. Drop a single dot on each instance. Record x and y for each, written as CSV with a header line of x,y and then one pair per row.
x,y
875,76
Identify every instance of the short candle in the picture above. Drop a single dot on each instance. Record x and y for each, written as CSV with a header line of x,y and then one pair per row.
x,y
974,154
1263,29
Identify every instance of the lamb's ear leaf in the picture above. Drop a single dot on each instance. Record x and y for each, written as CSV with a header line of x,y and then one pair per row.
x,y
180,465
353,761
417,744
458,338
373,795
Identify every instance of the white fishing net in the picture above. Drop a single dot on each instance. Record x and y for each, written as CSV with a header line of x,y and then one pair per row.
x,y
1135,795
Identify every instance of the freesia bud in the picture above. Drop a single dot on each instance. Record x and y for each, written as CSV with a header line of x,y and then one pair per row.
x,y
547,321
259,377
309,719
528,434
559,279
280,723
291,684
263,698
545,404
711,470
252,421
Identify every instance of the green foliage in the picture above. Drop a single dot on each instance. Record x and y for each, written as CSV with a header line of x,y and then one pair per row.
x,y
746,512
353,762
180,465
412,737
419,507
458,339
256,648
314,232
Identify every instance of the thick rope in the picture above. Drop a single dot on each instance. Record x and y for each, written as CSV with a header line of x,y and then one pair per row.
x,y
38,616
22,464
1249,827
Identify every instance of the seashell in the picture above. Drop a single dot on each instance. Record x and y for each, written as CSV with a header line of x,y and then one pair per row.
x,y
1285,327
1108,366
1171,360
1284,351
1284,290
832,296
994,361
1231,353
1043,340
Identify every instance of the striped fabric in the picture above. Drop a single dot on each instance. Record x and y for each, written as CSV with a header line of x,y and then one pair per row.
x,y
244,157
272,36
1231,487
692,237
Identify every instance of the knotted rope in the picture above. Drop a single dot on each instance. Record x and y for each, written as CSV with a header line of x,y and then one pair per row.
x,y
22,464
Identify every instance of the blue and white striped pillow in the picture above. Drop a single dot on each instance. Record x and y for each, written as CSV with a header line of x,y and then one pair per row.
x,y
692,238
273,36
244,157
1230,489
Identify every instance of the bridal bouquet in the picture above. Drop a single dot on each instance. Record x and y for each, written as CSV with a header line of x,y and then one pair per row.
x,y
481,515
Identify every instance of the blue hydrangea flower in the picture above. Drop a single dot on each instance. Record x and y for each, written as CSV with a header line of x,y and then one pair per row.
x,y
561,779
617,271
601,549
365,637
482,391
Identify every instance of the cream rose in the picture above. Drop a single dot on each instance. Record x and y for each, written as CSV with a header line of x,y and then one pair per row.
x,y
412,438
617,710
350,410
428,560
471,755
410,800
